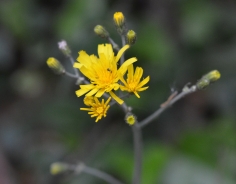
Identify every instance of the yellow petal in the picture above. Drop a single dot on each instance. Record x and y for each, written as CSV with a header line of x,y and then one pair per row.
x,y
121,51
80,92
145,81
138,74
125,65
106,50
130,73
77,65
92,92
84,58
100,93
116,98
85,109
142,89
87,86
123,80
136,94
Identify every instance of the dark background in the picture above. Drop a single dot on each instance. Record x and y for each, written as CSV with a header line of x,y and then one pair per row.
x,y
178,41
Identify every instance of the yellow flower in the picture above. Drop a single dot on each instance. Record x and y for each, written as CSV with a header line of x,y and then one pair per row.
x,y
133,83
98,109
102,72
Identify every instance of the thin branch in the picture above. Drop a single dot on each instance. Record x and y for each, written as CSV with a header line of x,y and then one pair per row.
x,y
95,172
138,147
122,59
114,45
75,70
157,113
70,75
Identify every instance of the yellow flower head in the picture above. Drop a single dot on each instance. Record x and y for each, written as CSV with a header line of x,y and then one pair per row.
x,y
133,83
102,71
119,19
98,109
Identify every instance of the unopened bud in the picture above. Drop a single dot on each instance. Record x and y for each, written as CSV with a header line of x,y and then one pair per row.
x,y
119,21
62,45
88,100
58,167
55,65
207,79
101,31
130,119
131,37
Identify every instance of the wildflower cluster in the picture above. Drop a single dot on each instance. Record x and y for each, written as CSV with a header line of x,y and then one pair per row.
x,y
105,74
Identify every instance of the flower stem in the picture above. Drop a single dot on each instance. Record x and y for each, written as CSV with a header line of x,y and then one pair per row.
x,y
95,172
138,147
171,102
122,59
75,70
70,75
114,45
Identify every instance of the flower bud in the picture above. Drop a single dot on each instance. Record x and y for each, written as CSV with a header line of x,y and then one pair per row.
x,y
101,31
58,167
207,79
89,100
130,118
212,76
62,45
131,37
119,21
55,65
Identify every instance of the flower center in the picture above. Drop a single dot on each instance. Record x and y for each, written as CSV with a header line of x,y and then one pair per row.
x,y
99,110
106,78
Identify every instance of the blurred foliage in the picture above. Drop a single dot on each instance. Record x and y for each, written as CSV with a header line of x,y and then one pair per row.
x,y
177,42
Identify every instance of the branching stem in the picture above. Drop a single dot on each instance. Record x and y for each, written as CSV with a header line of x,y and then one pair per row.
x,y
157,113
95,172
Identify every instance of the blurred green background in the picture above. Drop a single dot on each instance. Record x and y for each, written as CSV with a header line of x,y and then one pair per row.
x,y
178,41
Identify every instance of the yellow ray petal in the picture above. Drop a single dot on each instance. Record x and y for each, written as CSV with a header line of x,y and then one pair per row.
x,y
116,98
92,92
121,51
84,58
144,81
142,89
100,93
77,65
125,65
80,92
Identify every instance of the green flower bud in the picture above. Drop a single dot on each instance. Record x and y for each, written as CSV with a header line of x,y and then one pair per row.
x,y
58,167
207,79
131,37
64,48
55,65
101,31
